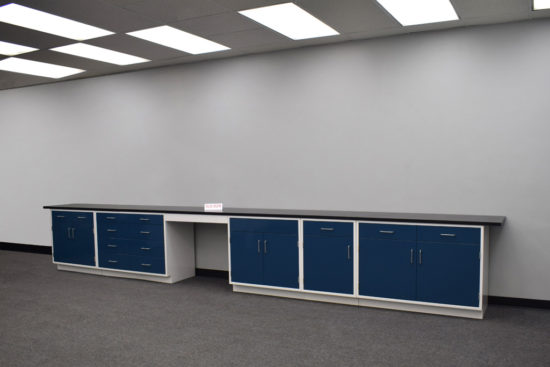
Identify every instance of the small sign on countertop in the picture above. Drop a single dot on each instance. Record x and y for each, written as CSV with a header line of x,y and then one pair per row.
x,y
213,207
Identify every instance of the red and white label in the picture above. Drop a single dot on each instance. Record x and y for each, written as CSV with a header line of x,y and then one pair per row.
x,y
213,207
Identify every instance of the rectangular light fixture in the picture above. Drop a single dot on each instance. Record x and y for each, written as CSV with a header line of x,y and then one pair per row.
x,y
24,66
290,20
413,12
99,54
44,22
178,39
12,49
541,4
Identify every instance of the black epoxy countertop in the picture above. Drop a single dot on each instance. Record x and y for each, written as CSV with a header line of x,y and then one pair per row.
x,y
495,220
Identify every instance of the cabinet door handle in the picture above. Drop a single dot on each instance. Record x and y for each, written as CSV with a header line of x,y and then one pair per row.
x,y
145,248
349,256
145,264
387,232
420,257
74,229
144,219
447,234
412,259
69,232
327,229
265,246
111,230
144,232
258,246
112,261
112,245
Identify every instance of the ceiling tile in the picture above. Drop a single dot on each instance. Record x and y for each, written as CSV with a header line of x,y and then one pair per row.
x,y
169,11
216,24
249,4
491,8
137,47
244,40
350,15
28,37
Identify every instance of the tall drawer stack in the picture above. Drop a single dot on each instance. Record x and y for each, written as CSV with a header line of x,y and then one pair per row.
x,y
132,242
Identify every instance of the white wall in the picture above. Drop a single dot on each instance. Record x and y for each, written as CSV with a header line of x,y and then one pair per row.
x,y
446,122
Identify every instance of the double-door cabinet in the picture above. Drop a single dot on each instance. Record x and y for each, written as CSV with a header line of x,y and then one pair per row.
x,y
417,263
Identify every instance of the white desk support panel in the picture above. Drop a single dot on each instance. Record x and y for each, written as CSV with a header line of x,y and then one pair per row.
x,y
431,263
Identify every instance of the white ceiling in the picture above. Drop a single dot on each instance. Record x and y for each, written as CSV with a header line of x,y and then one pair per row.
x,y
219,21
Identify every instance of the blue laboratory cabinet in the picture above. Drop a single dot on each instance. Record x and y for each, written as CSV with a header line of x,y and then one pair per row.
x,y
73,238
437,264
133,242
328,256
264,252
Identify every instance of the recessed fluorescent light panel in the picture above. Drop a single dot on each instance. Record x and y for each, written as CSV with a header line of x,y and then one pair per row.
x,y
413,12
178,39
24,66
12,49
541,4
99,54
44,22
290,20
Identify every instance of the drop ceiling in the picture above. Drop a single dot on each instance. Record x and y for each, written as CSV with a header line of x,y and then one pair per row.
x,y
219,21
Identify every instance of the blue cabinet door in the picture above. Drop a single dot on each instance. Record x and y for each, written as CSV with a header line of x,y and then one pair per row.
x,y
328,264
280,260
73,238
246,257
387,268
448,273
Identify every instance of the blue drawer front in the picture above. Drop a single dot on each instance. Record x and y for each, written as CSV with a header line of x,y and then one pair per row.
x,y
339,229
131,231
110,218
146,264
151,249
264,225
114,261
80,219
112,246
378,231
449,234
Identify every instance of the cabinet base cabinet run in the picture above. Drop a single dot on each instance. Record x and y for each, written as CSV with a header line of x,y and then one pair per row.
x,y
437,267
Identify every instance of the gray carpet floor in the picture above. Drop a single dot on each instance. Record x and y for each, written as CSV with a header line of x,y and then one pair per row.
x,y
57,318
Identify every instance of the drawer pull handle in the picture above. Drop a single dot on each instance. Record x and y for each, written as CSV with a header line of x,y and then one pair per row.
x,y
81,217
111,230
145,264
145,248
112,246
144,219
113,261
258,246
448,234
387,232
412,259
327,229
110,218
144,232
60,216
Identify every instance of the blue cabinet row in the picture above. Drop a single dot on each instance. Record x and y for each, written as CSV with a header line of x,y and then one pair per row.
x,y
132,242
436,264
